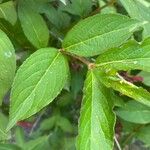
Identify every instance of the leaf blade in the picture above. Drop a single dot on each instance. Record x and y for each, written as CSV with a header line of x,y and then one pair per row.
x,y
118,83
92,134
103,33
8,12
40,72
134,112
129,56
33,25
7,64
140,11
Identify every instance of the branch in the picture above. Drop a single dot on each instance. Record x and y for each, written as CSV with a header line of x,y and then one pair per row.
x,y
81,59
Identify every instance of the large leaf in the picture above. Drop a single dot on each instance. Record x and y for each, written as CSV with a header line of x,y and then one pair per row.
x,y
134,112
98,33
130,56
7,64
38,81
96,118
139,9
33,25
8,12
120,84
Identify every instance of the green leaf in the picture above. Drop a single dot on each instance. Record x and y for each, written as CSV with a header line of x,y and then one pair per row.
x,y
129,56
68,143
139,10
65,99
96,125
118,83
79,7
48,124
9,147
33,25
57,17
15,34
117,99
77,80
98,33
3,124
38,81
19,137
7,64
109,9
8,12
64,124
146,77
36,5
37,144
144,135
134,112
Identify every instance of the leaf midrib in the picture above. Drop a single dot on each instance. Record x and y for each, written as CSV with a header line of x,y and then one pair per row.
x,y
121,61
1,131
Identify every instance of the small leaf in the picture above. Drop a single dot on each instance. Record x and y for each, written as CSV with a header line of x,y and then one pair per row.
x,y
97,118
49,123
8,12
33,25
129,56
104,31
7,64
38,81
134,112
64,124
139,9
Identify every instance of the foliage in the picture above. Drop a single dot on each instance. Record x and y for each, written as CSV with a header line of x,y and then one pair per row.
x,y
74,74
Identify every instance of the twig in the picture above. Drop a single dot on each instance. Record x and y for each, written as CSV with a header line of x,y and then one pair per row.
x,y
81,59
36,122
117,143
